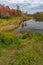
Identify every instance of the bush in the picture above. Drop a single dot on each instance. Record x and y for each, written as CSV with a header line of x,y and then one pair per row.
x,y
26,35
5,17
4,39
37,37
9,40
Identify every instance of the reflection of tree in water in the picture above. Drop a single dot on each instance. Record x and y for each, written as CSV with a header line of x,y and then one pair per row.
x,y
23,25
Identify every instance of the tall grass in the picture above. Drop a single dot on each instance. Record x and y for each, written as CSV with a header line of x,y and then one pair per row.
x,y
9,41
13,40
30,50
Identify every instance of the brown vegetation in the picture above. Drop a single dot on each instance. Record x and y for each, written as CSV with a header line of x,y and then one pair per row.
x,y
5,10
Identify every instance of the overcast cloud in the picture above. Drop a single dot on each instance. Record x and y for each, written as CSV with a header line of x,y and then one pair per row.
x,y
31,4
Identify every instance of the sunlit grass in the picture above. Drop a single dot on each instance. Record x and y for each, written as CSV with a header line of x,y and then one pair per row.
x,y
19,49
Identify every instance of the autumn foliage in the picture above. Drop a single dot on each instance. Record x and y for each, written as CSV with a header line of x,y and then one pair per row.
x,y
5,10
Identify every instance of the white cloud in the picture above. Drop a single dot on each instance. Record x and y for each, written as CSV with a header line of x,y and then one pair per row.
x,y
33,2
23,1
18,1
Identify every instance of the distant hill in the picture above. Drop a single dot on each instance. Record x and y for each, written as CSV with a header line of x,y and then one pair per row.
x,y
38,16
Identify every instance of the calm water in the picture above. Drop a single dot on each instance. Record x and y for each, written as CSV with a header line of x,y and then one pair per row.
x,y
31,26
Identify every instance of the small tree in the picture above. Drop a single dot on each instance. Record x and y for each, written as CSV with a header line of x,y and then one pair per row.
x,y
18,9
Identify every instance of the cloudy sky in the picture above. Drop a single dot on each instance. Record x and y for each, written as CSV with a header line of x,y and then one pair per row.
x,y
22,1
30,6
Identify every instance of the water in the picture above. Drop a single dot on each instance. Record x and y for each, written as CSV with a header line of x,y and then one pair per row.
x,y
31,26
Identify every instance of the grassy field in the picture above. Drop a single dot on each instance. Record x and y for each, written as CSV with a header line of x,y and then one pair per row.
x,y
19,49
12,23
25,49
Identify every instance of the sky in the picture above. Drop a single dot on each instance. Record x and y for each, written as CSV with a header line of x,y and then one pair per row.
x,y
32,6
22,1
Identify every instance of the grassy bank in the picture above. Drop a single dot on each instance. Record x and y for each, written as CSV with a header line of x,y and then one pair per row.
x,y
25,49
19,49
38,16
13,22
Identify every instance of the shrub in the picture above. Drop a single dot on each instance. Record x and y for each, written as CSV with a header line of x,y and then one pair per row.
x,y
26,35
37,37
9,40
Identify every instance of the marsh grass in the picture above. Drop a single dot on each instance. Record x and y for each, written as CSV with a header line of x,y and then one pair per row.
x,y
9,41
24,49
19,49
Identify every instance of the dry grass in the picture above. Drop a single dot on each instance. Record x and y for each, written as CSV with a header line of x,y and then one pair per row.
x,y
28,52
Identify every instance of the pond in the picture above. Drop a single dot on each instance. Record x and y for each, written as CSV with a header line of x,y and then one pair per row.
x,y
31,26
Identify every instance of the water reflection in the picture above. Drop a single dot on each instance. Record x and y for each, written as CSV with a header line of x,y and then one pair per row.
x,y
31,26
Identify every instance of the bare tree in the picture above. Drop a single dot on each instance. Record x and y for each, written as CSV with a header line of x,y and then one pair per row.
x,y
18,7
